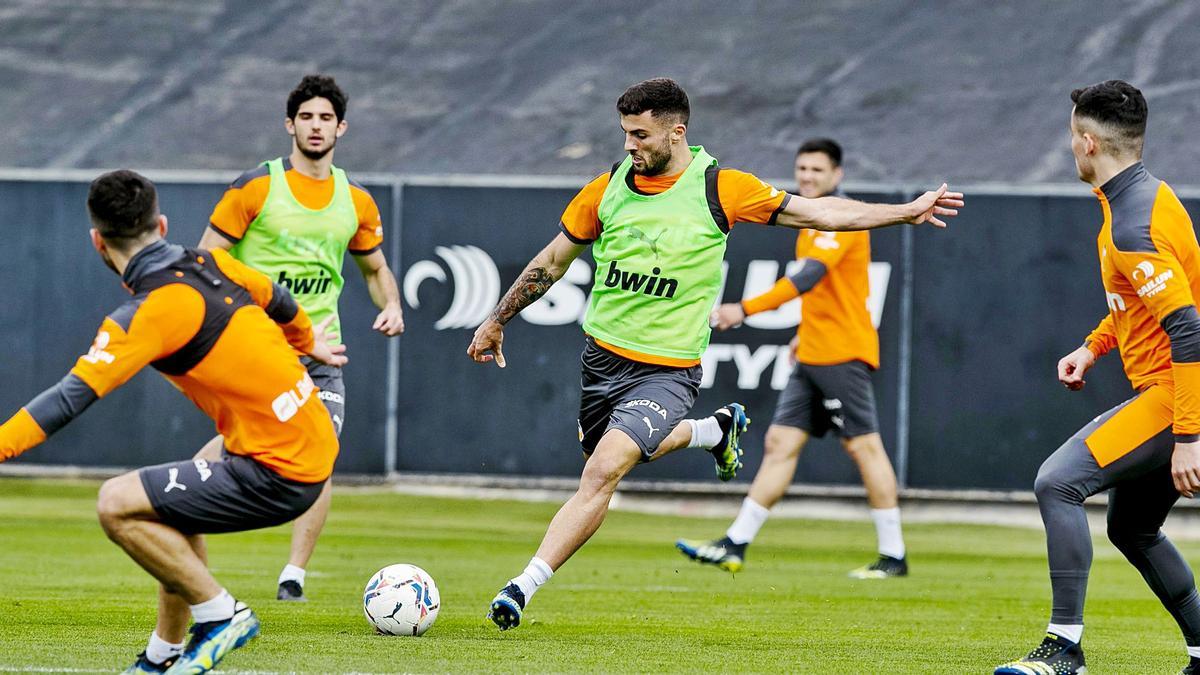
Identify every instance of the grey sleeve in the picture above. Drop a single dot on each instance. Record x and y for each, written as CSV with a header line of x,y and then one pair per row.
x,y
63,402
1183,328
282,308
810,272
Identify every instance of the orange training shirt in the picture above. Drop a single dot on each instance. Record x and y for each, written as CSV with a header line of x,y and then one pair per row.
x,y
1150,268
218,346
835,324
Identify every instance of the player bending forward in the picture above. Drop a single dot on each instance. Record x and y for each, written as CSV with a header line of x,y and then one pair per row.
x,y
204,321
657,225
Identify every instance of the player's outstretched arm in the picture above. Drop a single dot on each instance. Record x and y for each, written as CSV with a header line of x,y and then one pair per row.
x,y
837,214
538,276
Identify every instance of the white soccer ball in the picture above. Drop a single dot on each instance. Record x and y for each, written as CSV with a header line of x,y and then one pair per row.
x,y
401,600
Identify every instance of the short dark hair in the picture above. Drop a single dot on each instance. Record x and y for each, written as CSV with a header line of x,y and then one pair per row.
x,y
661,95
1117,105
826,145
123,206
317,86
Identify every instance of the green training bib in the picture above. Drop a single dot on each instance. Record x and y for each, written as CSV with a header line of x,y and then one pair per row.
x,y
658,265
302,248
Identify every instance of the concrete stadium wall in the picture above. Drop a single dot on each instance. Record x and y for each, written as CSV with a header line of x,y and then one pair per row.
x,y
972,321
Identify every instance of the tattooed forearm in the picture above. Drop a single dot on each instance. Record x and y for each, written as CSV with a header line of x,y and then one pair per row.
x,y
532,284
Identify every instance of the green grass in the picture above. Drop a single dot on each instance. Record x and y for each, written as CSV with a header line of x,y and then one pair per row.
x,y
627,602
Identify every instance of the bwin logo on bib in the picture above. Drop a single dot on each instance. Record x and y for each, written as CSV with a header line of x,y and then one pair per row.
x,y
647,284
476,285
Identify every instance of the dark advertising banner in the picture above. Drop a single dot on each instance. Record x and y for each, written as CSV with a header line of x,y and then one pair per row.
x,y
1014,287
60,291
463,247
988,308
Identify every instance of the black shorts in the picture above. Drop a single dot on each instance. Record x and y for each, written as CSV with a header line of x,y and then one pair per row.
x,y
643,400
234,494
331,389
819,398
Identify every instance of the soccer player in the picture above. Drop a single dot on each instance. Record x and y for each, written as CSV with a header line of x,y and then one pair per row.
x,y
657,224
1145,451
204,321
294,218
835,350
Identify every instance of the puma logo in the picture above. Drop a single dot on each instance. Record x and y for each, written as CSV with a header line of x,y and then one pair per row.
x,y
652,243
651,426
172,475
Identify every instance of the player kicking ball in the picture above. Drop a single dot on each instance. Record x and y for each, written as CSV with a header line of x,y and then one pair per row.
x,y
657,224
203,320
1146,451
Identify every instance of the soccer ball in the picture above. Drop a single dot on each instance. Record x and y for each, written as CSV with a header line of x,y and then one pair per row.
x,y
401,600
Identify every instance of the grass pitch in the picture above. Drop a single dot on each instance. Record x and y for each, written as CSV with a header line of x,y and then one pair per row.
x,y
70,601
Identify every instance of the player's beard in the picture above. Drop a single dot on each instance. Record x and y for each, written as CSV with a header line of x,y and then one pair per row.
x,y
656,160
316,154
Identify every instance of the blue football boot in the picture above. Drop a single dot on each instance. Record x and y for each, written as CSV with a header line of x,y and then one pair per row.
x,y
213,640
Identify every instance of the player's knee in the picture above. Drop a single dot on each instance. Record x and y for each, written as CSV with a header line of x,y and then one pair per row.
x,y
782,444
110,506
601,475
1128,538
1051,485
864,448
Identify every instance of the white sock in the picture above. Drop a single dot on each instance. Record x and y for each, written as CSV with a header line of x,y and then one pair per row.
x,y
219,608
159,650
1073,632
536,573
1194,652
705,433
749,519
292,573
887,528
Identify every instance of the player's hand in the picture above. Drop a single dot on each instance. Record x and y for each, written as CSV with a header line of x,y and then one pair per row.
x,y
329,354
1072,367
1185,468
726,316
793,345
488,338
390,321
939,202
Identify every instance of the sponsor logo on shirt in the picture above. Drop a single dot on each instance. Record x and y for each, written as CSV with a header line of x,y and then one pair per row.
x,y
1155,284
1115,302
646,284
96,353
286,405
305,285
826,240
